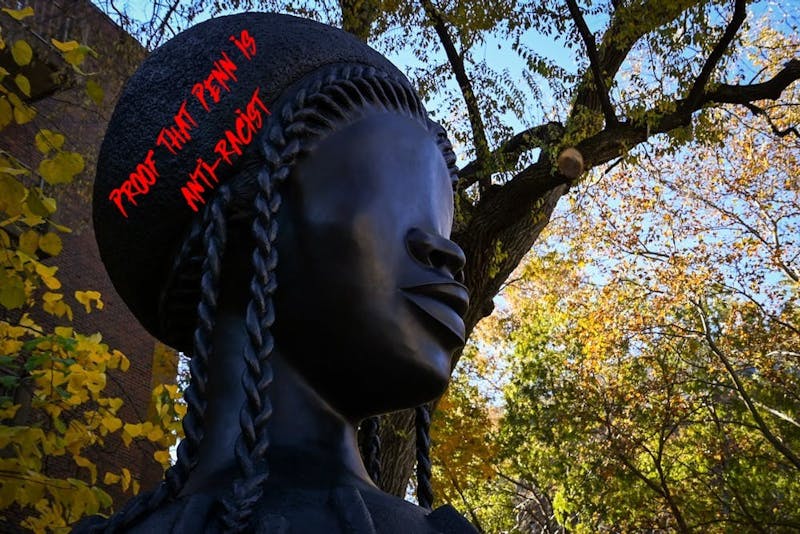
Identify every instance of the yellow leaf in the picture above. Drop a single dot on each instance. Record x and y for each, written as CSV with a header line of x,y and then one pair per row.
x,y
61,168
155,434
6,113
162,457
48,275
88,464
23,83
12,195
12,292
111,478
60,228
111,423
67,46
39,204
63,331
9,412
87,297
22,112
126,479
95,92
50,243
22,53
47,140
19,14
29,242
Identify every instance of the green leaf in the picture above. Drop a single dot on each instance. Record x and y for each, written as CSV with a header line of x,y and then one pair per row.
x,y
23,83
95,92
8,382
59,425
62,168
47,140
22,53
36,361
19,14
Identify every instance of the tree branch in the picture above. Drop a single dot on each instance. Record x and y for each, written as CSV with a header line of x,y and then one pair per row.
x,y
744,94
775,129
699,86
479,141
594,63
159,32
505,157
628,24
776,442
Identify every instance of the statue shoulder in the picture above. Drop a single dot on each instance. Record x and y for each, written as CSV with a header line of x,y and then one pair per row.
x,y
449,521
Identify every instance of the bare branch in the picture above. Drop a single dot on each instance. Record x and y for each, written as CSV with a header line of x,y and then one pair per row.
x,y
159,32
699,86
775,129
594,62
473,110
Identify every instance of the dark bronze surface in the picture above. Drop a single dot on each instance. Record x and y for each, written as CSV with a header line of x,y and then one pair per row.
x,y
319,280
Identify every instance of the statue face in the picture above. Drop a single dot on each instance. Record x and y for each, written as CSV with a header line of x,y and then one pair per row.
x,y
367,305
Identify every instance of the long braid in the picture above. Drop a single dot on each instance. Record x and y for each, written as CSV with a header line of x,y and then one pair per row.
x,y
371,447
422,423
314,111
251,446
213,228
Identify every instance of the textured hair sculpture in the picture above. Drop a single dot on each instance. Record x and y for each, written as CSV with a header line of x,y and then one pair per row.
x,y
166,261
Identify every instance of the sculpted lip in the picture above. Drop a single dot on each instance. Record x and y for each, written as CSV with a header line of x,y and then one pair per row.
x,y
445,302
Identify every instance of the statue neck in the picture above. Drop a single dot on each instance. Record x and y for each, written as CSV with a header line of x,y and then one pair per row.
x,y
310,440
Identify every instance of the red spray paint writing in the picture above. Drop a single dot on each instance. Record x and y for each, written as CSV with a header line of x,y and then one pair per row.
x,y
176,135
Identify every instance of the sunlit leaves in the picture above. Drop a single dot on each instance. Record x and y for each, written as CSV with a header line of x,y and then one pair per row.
x,y
620,409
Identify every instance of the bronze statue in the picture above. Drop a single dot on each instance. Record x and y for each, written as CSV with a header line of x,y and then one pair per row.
x,y
272,199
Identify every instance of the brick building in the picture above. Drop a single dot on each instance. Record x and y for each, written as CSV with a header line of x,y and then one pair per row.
x,y
64,107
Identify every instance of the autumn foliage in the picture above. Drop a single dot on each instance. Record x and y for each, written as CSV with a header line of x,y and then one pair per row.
x,y
647,352
54,404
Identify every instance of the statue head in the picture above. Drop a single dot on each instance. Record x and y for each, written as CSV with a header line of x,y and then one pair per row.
x,y
279,170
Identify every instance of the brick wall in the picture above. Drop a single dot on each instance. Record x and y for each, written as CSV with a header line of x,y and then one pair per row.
x,y
70,112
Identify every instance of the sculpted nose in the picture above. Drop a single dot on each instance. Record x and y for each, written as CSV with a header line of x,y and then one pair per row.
x,y
435,251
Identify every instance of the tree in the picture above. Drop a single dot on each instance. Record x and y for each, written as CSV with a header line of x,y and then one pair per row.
x,y
654,386
646,69
55,409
